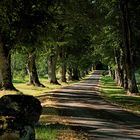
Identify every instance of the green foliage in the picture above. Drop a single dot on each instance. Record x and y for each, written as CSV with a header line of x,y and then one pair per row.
x,y
42,66
137,74
88,31
18,65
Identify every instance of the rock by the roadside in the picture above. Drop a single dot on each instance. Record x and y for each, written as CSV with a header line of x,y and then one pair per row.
x,y
25,110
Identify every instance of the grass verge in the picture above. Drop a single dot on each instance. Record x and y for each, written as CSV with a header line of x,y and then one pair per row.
x,y
23,87
58,132
115,94
32,90
45,133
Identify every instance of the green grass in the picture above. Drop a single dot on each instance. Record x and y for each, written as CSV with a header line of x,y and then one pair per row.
x,y
117,95
59,132
22,86
46,133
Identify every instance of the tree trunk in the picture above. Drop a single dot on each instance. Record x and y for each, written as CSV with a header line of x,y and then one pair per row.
x,y
132,86
87,72
90,69
119,70
109,68
63,73
0,80
52,60
70,73
125,80
79,74
122,66
121,78
63,65
5,68
82,74
32,71
117,78
113,74
75,75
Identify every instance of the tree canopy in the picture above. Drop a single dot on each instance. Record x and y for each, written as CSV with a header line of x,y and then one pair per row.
x,y
70,36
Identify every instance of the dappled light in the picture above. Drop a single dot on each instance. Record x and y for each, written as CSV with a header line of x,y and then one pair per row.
x,y
81,108
80,58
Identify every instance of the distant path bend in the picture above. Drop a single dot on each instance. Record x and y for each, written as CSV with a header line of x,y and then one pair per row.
x,y
81,107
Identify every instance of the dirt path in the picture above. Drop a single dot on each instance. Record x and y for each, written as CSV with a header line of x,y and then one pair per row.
x,y
81,107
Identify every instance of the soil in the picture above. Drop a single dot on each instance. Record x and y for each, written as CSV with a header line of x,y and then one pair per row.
x,y
90,117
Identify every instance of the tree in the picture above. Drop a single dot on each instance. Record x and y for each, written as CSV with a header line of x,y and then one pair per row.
x,y
32,70
5,67
52,60
18,18
128,48
118,23
0,81
63,59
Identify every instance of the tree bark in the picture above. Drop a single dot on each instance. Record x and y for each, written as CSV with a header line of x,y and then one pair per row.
x,y
109,68
52,60
122,66
119,70
87,72
75,75
125,80
128,48
0,80
5,67
32,71
90,69
63,65
117,78
70,73
113,74
83,74
63,73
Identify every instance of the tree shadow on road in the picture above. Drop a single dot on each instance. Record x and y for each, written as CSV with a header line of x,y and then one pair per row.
x,y
81,108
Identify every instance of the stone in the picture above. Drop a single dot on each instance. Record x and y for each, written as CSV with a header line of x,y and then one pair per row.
x,y
27,133
20,112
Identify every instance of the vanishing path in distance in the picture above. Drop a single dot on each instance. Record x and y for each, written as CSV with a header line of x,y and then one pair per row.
x,y
81,107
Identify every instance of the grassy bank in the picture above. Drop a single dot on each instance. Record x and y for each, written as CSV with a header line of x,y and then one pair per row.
x,y
115,94
21,85
24,88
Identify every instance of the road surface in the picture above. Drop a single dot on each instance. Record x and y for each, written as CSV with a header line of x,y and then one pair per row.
x,y
81,107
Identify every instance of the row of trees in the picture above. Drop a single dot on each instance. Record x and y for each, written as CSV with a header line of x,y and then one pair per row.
x,y
50,28
119,40
71,34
